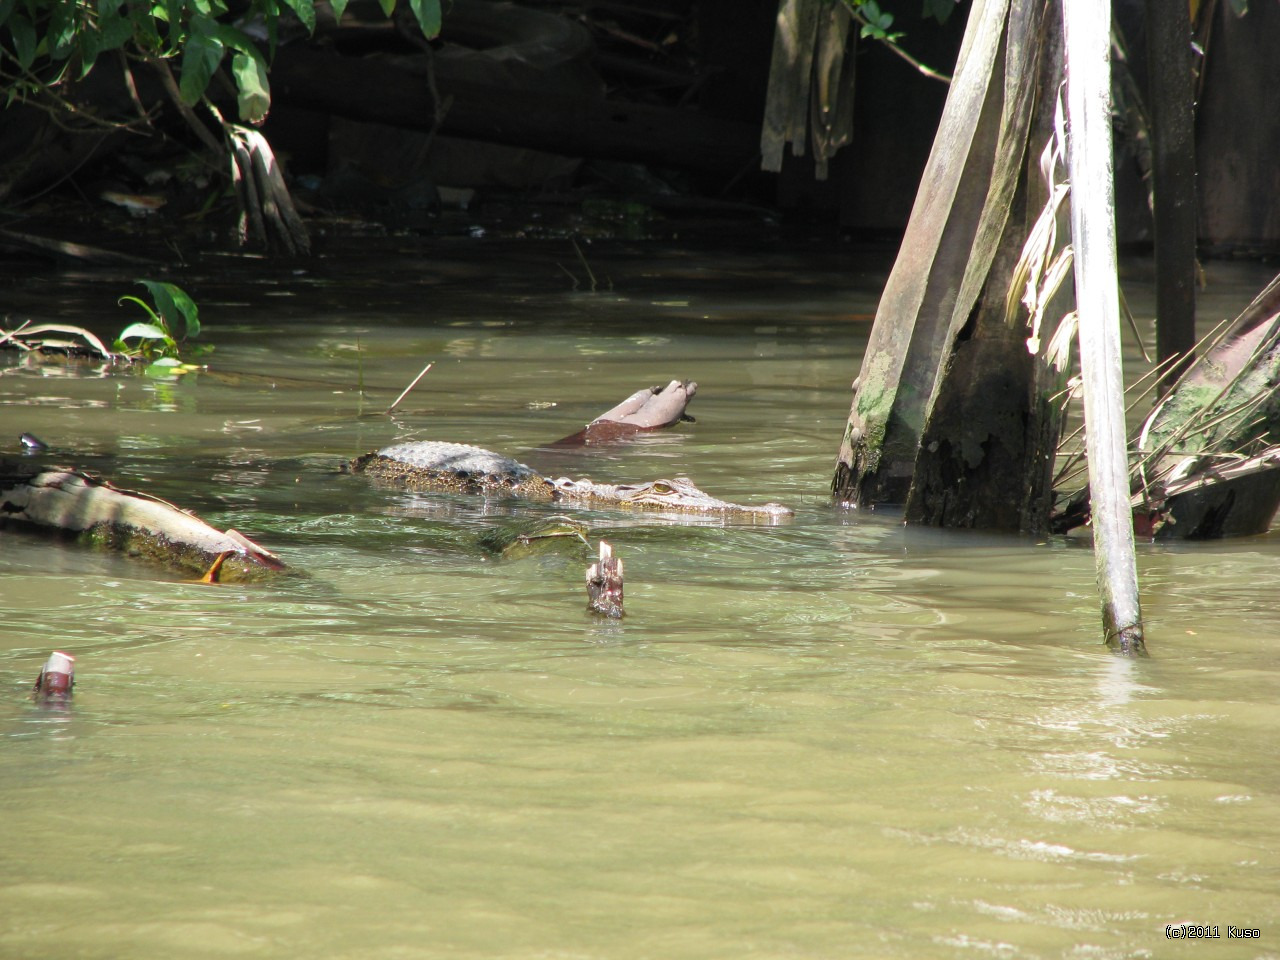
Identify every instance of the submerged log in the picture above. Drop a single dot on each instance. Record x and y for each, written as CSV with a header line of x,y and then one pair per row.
x,y
72,505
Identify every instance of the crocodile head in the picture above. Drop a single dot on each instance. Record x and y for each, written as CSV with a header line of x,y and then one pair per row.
x,y
679,495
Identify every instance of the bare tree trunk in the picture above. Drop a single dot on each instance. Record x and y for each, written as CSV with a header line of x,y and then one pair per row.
x,y
950,416
920,309
985,458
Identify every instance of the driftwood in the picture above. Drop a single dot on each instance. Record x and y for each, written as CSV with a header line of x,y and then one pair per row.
x,y
1210,451
71,505
1237,499
30,242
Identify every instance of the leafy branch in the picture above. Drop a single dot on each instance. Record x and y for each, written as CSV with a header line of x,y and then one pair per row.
x,y
47,43
876,24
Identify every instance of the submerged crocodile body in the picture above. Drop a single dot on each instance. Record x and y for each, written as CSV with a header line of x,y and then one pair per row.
x,y
462,468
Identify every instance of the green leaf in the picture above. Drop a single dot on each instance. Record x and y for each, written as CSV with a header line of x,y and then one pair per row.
x,y
146,29
60,32
306,12
173,15
428,14
939,10
178,312
233,39
200,57
144,331
338,7
112,33
388,6
164,368
144,305
253,91
24,40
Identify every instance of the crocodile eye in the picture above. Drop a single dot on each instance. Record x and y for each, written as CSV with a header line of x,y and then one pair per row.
x,y
661,486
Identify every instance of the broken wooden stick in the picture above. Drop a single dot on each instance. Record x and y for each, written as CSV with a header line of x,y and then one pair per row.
x,y
57,677
1087,42
604,584
406,390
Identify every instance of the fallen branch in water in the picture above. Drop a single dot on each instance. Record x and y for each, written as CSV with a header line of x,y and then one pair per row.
x,y
22,338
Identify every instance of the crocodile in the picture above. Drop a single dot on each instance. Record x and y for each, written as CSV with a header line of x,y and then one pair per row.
x,y
462,468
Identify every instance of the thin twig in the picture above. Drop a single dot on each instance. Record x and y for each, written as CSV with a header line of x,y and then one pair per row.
x,y
43,89
411,386
586,266
360,370
1133,324
170,85
892,45
129,84
569,274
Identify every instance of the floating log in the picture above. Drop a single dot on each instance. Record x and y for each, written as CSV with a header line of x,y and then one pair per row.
x,y
73,505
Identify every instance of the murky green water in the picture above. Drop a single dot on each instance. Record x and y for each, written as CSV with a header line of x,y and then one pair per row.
x,y
833,738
